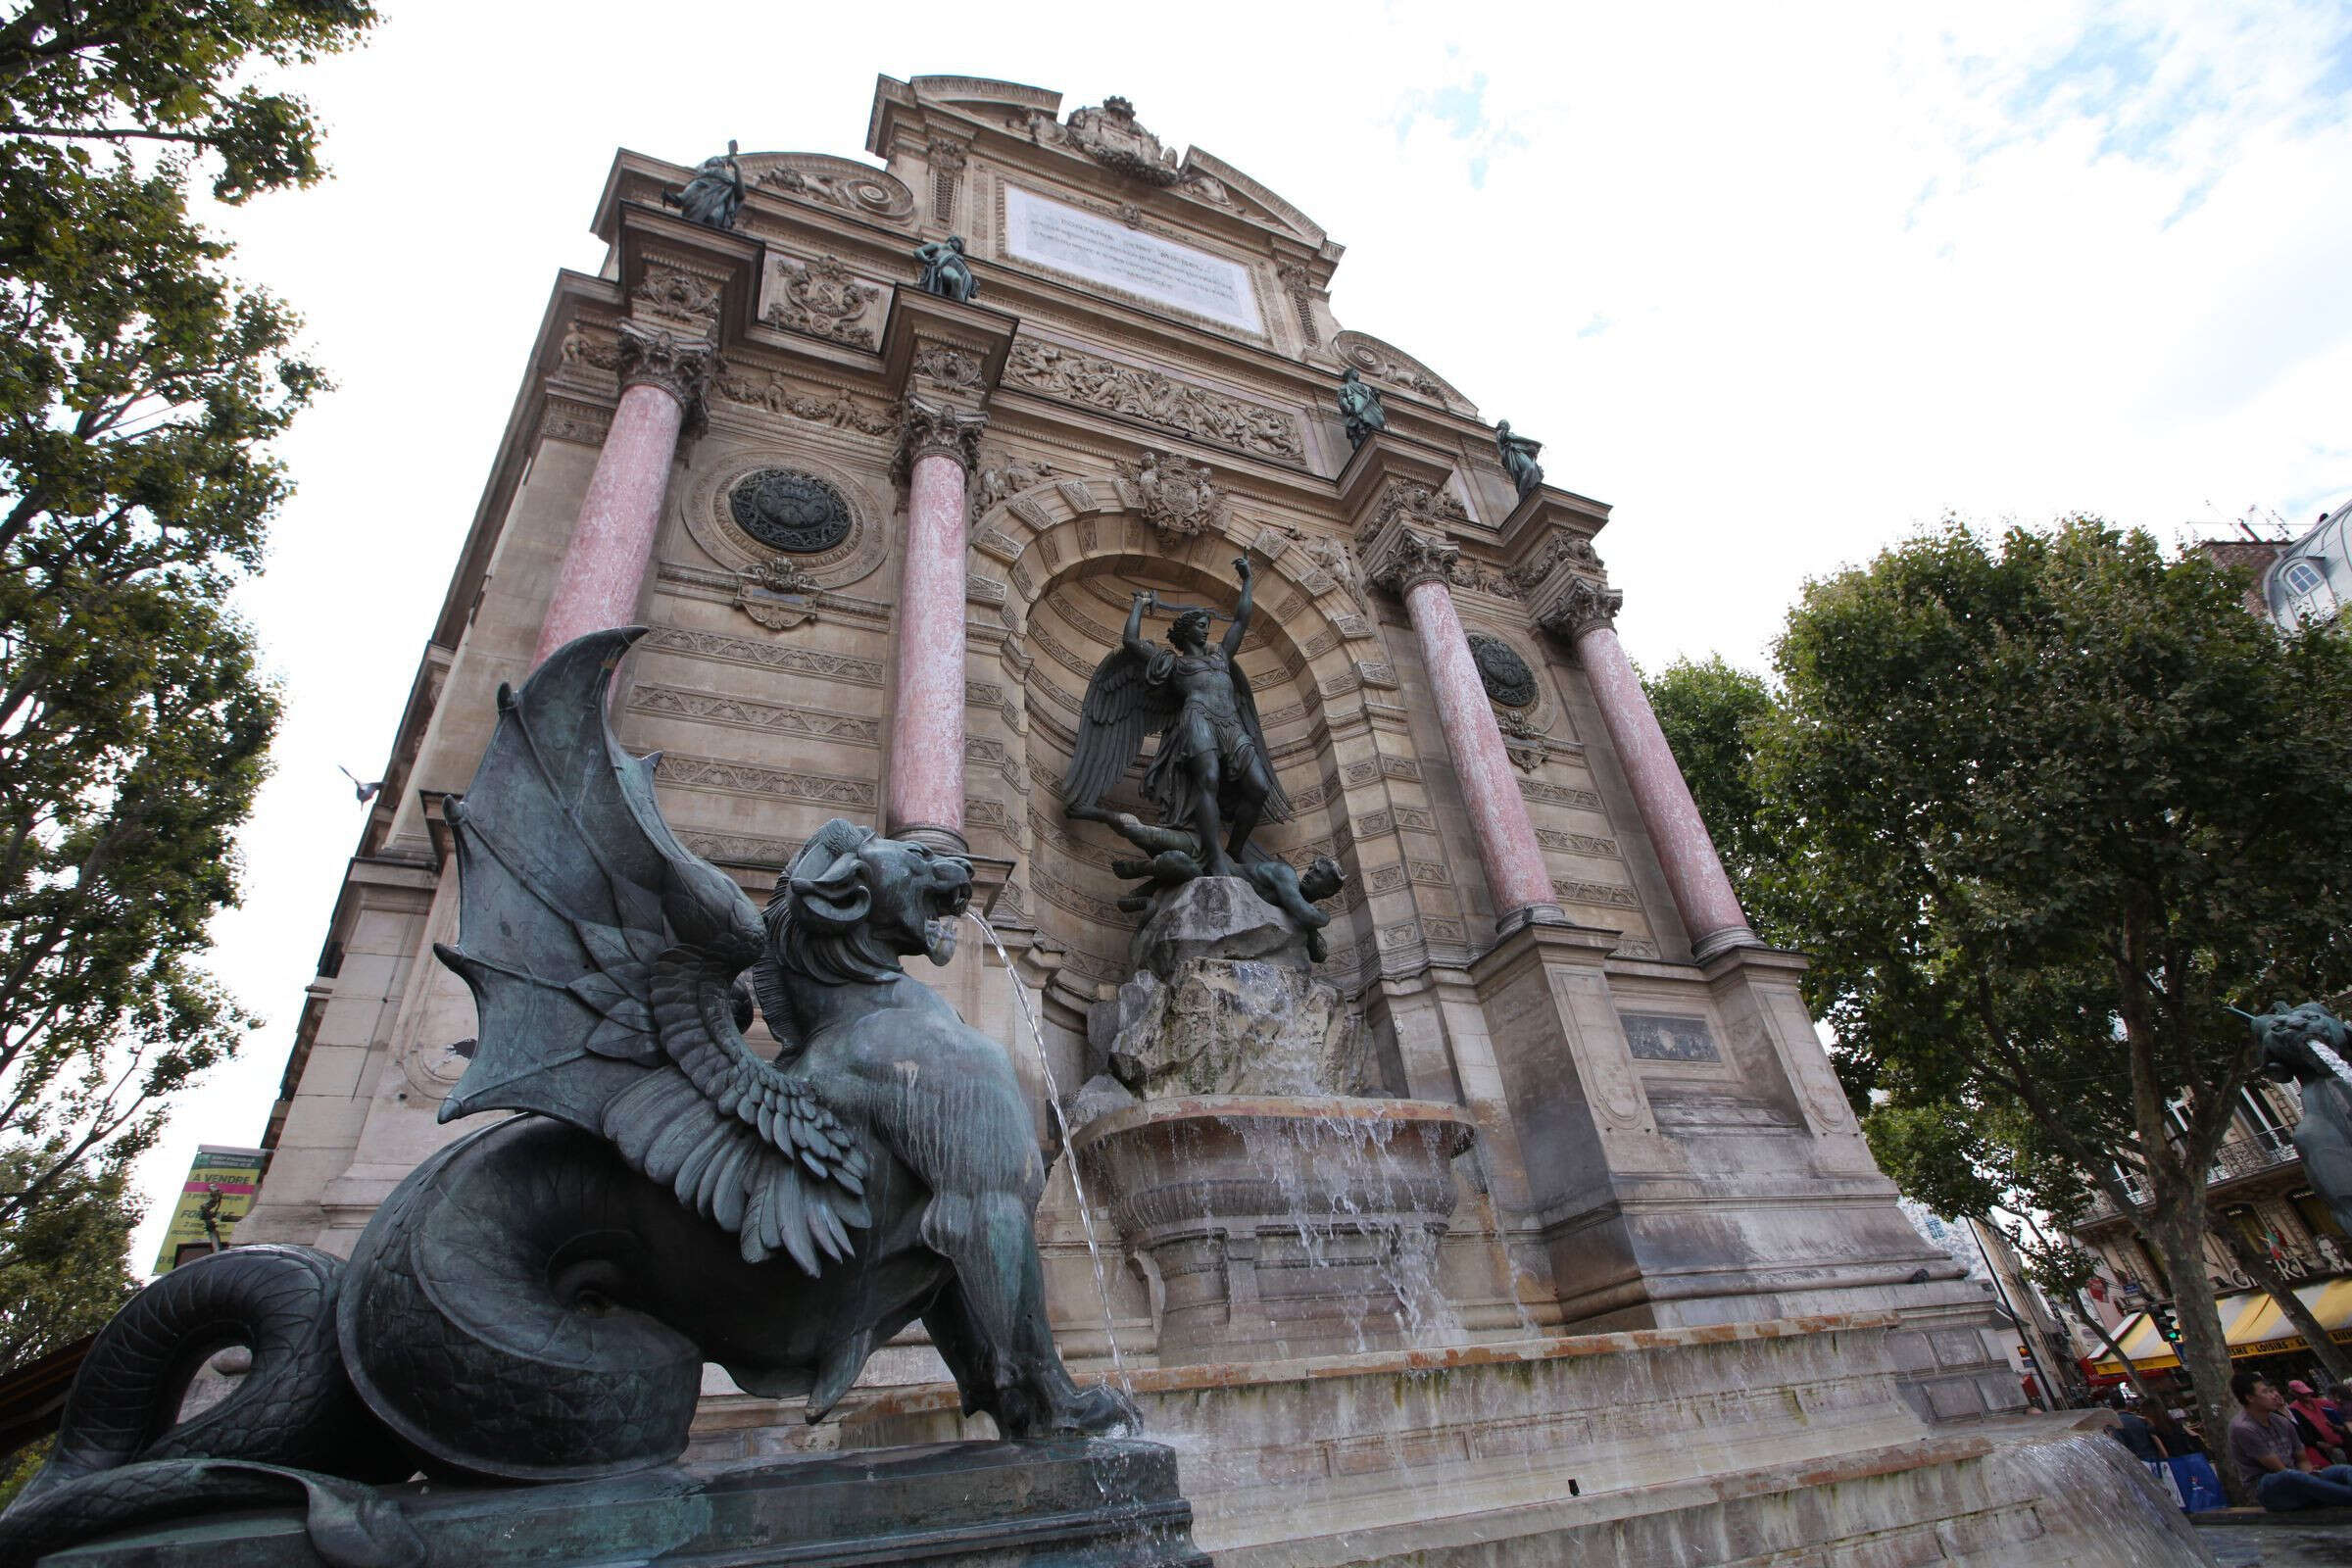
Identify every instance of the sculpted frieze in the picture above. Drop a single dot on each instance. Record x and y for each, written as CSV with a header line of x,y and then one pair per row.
x,y
749,778
1154,398
743,849
835,183
1560,795
1562,546
847,668
673,294
1608,894
1385,362
742,712
1006,478
1577,842
776,395
825,299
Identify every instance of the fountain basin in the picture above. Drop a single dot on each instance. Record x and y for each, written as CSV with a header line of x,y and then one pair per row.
x,y
1282,1225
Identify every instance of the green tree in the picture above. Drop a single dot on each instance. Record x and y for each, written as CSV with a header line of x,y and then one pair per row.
x,y
140,390
2048,804
1709,711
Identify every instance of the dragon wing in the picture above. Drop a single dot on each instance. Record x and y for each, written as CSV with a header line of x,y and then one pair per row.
x,y
601,955
1278,808
1122,701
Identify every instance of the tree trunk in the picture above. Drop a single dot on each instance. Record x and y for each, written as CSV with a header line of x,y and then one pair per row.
x,y
2257,1264
2115,1350
2179,1238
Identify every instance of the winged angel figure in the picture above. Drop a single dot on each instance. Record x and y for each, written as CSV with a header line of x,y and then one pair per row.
x,y
531,1303
1211,768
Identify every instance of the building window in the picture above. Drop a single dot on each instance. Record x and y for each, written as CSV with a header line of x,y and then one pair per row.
x,y
2262,1123
2301,577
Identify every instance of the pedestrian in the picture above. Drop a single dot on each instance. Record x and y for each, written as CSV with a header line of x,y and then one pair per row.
x,y
2177,1439
2133,1431
2268,1449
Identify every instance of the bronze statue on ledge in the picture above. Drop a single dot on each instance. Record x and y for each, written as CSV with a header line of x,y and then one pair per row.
x,y
1211,769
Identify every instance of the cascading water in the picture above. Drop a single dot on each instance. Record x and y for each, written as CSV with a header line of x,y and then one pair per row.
x,y
1085,1214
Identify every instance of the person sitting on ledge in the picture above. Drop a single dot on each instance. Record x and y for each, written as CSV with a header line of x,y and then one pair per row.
x,y
2269,1451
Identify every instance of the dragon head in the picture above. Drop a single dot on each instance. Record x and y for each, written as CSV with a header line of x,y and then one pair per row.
x,y
853,903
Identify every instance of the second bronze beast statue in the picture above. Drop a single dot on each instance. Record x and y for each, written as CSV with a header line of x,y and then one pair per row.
x,y
536,1301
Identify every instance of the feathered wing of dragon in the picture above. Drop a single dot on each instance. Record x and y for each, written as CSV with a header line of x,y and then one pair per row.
x,y
603,957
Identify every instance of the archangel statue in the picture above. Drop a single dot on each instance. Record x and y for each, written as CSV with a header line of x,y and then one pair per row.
x,y
1211,774
715,195
946,272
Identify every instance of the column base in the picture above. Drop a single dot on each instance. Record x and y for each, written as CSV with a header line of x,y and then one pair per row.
x,y
1531,915
933,837
1724,940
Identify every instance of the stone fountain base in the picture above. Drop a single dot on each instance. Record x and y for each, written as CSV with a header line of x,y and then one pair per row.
x,y
1282,1225
1773,1445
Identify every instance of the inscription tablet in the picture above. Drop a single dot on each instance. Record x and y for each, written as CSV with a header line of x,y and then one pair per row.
x,y
1069,239
1664,1037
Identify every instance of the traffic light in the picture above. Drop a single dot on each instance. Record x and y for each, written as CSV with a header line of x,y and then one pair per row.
x,y
2165,1324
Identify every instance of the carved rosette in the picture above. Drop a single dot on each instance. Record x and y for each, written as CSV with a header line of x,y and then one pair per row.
x,y
682,367
1586,604
1411,558
926,429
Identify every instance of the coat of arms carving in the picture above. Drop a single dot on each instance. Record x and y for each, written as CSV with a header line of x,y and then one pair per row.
x,y
1111,136
777,594
1174,496
824,298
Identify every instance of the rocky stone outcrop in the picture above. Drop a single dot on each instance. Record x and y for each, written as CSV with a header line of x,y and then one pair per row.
x,y
1222,1001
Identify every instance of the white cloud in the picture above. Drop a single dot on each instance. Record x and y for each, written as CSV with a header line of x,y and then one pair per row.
x,y
1779,284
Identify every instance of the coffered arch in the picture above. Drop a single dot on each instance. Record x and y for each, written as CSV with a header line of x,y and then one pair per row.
x,y
1059,561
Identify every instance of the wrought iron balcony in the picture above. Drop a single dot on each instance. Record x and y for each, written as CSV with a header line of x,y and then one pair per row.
x,y
2238,1157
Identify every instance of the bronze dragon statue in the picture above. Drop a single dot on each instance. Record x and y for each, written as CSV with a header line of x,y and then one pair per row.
x,y
537,1300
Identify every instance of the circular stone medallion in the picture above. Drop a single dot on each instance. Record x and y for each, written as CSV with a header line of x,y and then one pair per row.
x,y
788,510
1503,672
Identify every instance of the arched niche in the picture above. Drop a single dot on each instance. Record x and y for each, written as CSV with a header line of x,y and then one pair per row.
x,y
1069,555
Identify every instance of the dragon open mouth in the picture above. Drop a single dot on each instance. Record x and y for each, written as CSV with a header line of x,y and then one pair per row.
x,y
940,930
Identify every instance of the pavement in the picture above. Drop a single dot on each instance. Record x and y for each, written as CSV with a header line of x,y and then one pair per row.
x,y
2250,1537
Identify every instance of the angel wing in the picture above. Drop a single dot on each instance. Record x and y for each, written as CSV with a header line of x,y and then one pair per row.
x,y
1278,808
1122,701
601,955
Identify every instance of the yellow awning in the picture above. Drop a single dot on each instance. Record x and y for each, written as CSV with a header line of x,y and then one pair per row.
x,y
2253,1323
2141,1340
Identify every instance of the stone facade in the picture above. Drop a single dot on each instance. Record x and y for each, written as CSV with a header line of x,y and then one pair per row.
x,y
842,505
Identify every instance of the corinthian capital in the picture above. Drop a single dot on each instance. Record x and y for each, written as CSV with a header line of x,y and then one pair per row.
x,y
1412,558
653,355
1584,606
926,429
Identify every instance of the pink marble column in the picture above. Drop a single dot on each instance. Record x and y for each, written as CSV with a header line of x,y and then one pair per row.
x,y
613,543
1702,891
926,720
1506,838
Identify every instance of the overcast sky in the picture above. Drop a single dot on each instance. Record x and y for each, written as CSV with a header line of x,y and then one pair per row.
x,y
1779,283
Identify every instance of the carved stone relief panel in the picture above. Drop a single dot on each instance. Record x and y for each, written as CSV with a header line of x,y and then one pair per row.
x,y
751,505
823,298
1155,398
830,182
